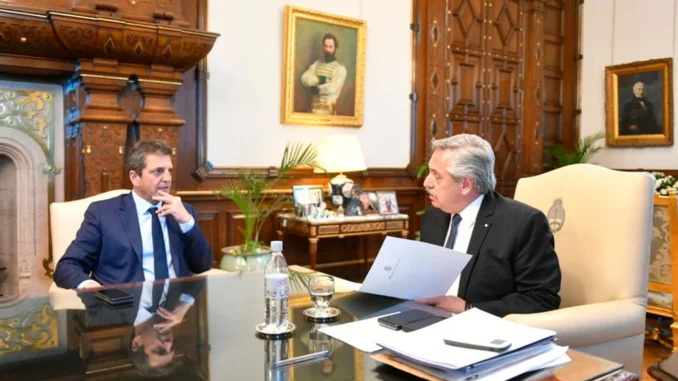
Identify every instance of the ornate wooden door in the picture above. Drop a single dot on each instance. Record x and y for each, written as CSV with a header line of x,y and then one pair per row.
x,y
493,68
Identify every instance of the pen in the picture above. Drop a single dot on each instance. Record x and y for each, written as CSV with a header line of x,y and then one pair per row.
x,y
295,360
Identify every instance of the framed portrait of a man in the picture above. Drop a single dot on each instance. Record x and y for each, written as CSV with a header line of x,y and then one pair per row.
x,y
639,103
323,69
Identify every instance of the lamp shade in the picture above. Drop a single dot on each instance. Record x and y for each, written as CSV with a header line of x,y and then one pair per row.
x,y
341,153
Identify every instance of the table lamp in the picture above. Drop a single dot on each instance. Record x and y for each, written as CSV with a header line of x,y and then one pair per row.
x,y
339,154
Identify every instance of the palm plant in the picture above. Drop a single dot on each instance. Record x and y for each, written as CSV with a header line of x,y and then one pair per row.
x,y
586,147
249,192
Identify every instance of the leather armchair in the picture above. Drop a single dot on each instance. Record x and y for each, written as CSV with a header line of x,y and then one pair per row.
x,y
602,223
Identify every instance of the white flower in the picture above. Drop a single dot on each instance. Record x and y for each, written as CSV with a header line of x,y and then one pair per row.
x,y
663,192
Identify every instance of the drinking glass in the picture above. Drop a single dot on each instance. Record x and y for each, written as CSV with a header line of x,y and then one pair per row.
x,y
321,290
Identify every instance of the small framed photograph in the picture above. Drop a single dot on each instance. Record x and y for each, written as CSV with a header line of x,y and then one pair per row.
x,y
355,207
307,198
388,204
370,202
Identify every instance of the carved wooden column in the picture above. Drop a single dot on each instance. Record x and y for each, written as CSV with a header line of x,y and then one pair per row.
x,y
157,119
437,82
122,90
533,100
98,128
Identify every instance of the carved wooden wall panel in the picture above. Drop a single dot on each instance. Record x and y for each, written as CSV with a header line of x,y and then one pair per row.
x,y
26,37
169,135
505,69
103,149
501,71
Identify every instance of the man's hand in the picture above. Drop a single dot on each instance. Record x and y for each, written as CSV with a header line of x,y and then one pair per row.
x,y
172,205
448,303
173,317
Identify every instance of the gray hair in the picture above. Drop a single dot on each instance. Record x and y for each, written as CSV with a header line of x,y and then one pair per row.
x,y
472,157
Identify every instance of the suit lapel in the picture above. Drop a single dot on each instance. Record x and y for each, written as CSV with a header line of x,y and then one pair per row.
x,y
130,222
482,226
174,232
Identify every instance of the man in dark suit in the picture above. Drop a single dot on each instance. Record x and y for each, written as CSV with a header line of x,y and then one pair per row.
x,y
147,234
638,115
514,267
156,310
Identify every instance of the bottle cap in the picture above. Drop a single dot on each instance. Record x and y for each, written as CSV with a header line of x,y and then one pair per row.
x,y
276,245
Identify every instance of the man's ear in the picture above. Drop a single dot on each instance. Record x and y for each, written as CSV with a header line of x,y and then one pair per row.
x,y
134,177
136,343
466,185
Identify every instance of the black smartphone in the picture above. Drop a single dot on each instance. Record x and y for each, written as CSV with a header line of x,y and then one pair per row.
x,y
422,323
397,321
114,296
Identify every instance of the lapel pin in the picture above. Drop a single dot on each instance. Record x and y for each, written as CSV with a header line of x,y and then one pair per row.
x,y
485,225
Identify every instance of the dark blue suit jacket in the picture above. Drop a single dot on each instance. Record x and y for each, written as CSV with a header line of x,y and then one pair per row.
x,y
108,245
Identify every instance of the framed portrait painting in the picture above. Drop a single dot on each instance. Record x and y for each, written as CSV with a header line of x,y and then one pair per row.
x,y
323,69
639,103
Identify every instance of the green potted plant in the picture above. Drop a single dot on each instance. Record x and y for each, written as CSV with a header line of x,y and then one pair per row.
x,y
252,193
586,147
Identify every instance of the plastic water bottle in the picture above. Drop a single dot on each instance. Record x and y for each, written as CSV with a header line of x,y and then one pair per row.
x,y
276,291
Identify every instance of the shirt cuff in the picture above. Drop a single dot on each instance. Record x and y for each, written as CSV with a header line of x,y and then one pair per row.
x,y
188,299
84,283
186,226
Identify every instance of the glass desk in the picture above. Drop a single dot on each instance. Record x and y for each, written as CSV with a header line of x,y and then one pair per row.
x,y
204,332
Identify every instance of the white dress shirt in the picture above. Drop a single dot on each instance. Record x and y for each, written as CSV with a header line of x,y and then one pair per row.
x,y
464,232
146,229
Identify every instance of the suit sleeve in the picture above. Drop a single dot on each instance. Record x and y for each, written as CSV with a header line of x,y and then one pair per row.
x,y
197,251
536,272
83,253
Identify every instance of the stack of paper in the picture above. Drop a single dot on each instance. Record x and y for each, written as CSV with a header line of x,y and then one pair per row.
x,y
531,348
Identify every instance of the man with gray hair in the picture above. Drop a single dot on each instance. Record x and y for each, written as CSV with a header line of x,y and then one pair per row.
x,y
514,267
638,116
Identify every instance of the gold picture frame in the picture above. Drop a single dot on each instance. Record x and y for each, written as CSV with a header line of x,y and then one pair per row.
x,y
639,103
309,98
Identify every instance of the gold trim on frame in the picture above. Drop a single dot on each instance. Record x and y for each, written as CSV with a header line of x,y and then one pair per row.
x,y
612,73
287,114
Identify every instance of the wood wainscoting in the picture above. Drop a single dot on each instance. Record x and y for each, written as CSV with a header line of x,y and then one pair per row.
x,y
221,221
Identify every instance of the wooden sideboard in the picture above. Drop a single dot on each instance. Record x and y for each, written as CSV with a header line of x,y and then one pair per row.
x,y
316,229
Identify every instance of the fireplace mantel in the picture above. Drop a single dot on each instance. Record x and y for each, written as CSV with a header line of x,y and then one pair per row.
x,y
120,63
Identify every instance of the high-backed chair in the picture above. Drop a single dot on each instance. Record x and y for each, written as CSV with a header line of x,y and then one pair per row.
x,y
65,221
602,223
662,298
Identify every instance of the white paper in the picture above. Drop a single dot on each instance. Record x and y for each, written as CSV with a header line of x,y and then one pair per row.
x,y
362,334
408,269
427,346
554,356
343,285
